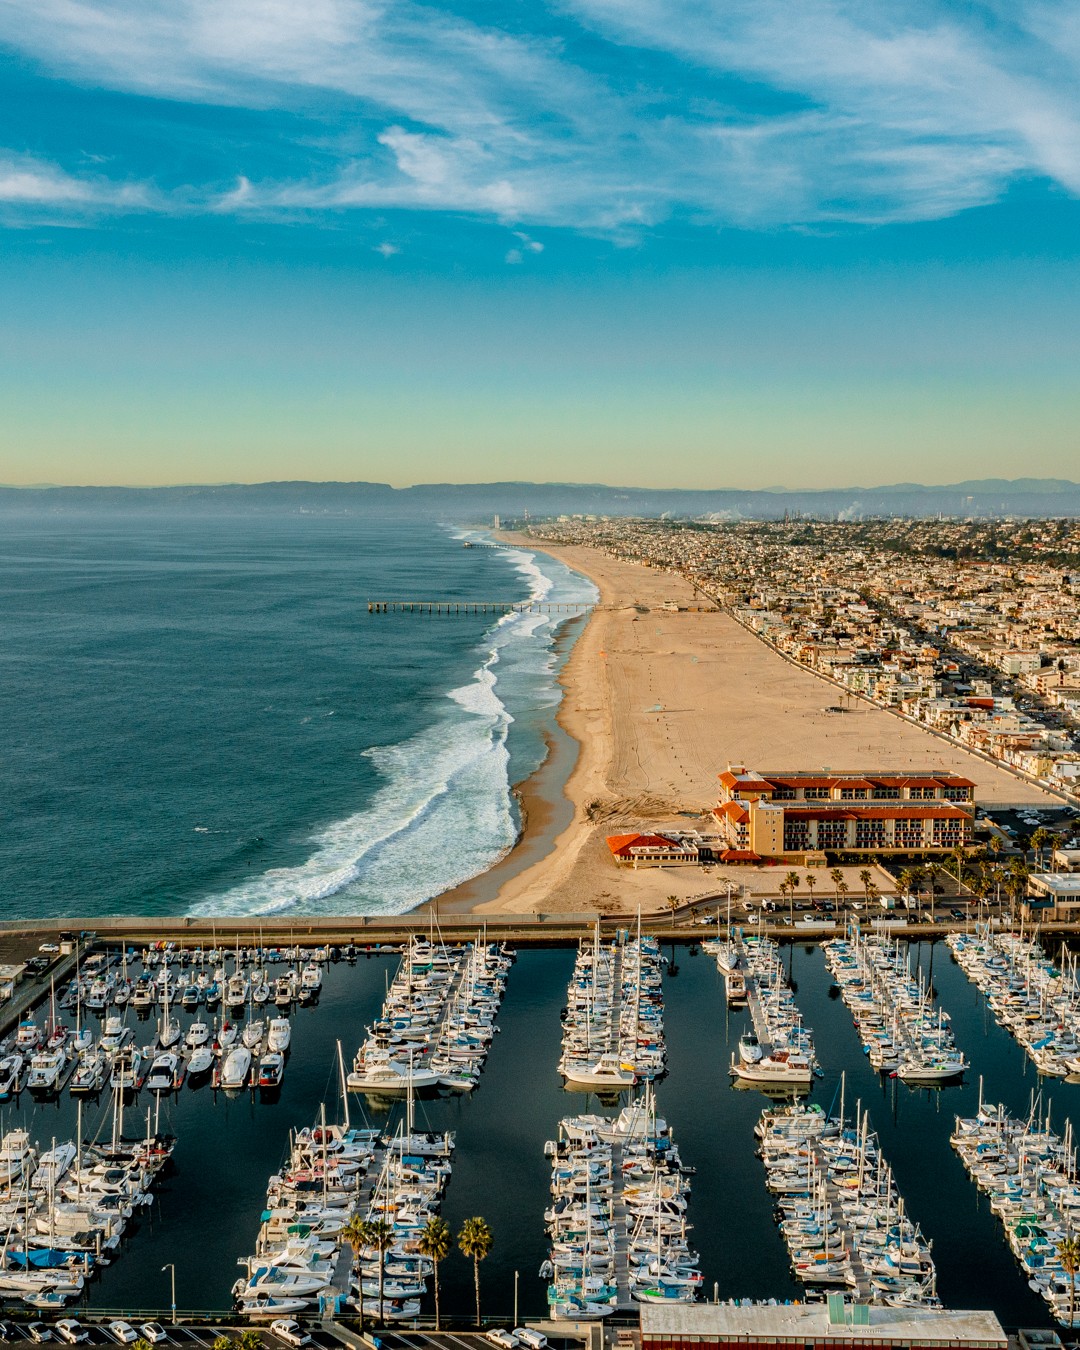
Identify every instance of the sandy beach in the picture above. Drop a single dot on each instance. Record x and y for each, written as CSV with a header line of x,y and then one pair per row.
x,y
659,701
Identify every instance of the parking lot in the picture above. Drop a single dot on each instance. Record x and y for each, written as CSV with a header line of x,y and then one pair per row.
x,y
20,1333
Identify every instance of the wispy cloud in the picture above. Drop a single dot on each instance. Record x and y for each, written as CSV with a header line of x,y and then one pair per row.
x,y
604,115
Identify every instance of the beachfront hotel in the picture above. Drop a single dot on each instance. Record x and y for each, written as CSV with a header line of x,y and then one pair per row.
x,y
773,815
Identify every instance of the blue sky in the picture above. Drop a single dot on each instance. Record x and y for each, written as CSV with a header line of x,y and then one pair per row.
x,y
740,244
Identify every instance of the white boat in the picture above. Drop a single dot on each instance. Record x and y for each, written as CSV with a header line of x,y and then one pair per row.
x,y
271,1071
28,1037
279,1034
52,1165
16,1157
197,1034
127,1068
46,1069
162,1075
266,1305
234,1072
385,1077
90,1073
252,1034
201,1061
115,1035
780,1068
608,1071
11,1071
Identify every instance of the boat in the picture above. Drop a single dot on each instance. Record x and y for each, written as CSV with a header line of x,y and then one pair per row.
x,y
46,1072
234,1071
91,1073
11,1076
197,1034
279,1034
115,1035
17,1158
252,1034
162,1075
200,1062
127,1071
52,1165
607,1071
271,1071
779,1068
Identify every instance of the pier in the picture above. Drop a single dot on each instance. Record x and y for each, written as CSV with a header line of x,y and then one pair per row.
x,y
481,607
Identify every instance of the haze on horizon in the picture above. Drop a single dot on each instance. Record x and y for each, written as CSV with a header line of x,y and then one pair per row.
x,y
655,244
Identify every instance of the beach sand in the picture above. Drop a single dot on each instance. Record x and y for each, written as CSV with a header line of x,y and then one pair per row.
x,y
659,702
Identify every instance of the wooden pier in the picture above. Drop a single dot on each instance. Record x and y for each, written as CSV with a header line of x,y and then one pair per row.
x,y
480,607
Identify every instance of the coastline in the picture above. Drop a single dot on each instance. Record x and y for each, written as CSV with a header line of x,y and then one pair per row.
x,y
659,693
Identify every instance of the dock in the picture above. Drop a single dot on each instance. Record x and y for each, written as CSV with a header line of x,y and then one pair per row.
x,y
624,1300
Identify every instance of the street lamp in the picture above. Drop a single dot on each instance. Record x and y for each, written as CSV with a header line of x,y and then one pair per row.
x,y
172,1268
516,1274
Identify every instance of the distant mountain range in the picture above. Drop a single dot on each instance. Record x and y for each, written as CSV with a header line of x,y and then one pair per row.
x,y
471,502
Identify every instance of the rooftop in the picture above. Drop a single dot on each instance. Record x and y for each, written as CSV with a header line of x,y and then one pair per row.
x,y
810,1321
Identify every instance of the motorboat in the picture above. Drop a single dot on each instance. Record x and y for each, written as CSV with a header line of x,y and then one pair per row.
x,y
197,1034
128,1068
91,1073
252,1034
608,1071
201,1061
279,1034
52,1165
271,1071
11,1076
46,1071
779,1068
234,1071
16,1157
162,1075
115,1035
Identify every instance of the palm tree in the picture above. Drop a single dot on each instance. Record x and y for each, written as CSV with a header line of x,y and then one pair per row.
x,y
842,889
435,1243
380,1235
837,879
355,1233
904,880
866,877
1068,1250
1056,841
792,880
673,902
1039,839
476,1241
811,882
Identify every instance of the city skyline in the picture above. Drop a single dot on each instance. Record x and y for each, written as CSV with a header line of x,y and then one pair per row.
x,y
653,246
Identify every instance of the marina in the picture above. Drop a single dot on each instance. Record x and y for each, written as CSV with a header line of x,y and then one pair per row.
x,y
1035,1000
778,1055
227,1145
893,1011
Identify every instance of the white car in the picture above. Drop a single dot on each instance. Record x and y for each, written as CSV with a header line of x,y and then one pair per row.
x,y
70,1330
124,1332
536,1340
153,1332
506,1339
290,1331
48,948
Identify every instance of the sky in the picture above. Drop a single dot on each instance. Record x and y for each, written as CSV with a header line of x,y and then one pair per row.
x,y
716,243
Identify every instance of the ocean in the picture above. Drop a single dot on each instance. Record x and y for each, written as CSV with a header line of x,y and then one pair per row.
x,y
202,717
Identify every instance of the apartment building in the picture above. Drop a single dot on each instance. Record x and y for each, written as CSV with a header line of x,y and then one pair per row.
x,y
786,814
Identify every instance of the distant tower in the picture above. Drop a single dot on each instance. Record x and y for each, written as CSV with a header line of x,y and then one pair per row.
x,y
496,525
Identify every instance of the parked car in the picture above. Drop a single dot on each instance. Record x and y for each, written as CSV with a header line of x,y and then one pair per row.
x,y
506,1340
535,1340
153,1332
124,1332
8,1332
290,1331
38,1331
70,1330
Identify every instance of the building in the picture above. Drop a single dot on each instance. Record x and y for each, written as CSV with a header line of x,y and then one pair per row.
x,y
815,1326
778,815
1057,891
653,850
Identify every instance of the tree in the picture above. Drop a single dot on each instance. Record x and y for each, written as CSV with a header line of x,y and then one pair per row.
x,y
222,1343
842,889
867,880
250,1339
355,1233
1039,839
1068,1250
811,882
792,880
1056,841
837,879
673,902
435,1243
475,1241
380,1235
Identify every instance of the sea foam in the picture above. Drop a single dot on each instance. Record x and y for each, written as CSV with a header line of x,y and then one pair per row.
x,y
444,811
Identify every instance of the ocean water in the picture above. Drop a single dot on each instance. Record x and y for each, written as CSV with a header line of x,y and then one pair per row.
x,y
202,717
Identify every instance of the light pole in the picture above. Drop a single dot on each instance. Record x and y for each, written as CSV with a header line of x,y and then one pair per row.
x,y
172,1269
516,1274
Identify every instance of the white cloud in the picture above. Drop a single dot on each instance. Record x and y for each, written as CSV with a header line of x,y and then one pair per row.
x,y
387,250
754,112
513,256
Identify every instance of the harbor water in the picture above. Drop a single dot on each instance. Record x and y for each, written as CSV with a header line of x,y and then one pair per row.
x,y
207,1208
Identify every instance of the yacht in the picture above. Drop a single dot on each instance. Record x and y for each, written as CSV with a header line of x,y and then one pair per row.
x,y
197,1034
201,1061
116,1035
279,1034
234,1072
11,1073
52,1165
271,1071
607,1071
46,1072
779,1068
128,1068
252,1034
16,1157
91,1073
162,1075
